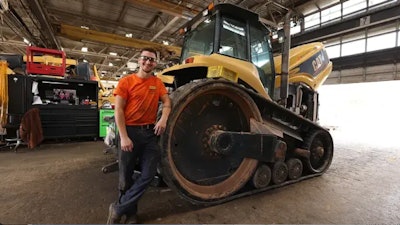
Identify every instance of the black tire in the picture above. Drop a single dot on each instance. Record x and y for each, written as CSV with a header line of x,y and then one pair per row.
x,y
295,168
279,172
262,176
320,145
188,165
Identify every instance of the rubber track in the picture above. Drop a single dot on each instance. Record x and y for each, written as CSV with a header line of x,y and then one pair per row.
x,y
270,111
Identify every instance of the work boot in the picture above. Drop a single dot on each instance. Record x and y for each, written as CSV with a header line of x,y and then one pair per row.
x,y
131,219
113,217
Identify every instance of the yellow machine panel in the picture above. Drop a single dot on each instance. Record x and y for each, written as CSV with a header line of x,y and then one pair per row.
x,y
308,64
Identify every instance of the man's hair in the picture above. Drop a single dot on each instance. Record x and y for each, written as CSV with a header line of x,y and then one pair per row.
x,y
149,50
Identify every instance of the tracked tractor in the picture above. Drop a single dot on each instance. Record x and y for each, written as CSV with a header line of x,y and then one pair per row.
x,y
230,133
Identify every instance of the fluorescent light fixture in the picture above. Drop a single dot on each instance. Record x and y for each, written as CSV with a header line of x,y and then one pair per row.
x,y
131,65
84,49
113,53
128,35
26,41
85,27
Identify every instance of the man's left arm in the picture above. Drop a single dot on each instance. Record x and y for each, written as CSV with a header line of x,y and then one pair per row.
x,y
166,109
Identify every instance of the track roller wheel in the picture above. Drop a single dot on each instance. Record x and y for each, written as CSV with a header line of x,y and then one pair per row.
x,y
262,176
279,172
320,145
189,164
295,168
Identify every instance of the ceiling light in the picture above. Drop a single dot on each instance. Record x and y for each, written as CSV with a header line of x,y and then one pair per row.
x,y
85,27
84,49
27,41
128,35
85,60
113,53
124,72
110,64
131,65
165,42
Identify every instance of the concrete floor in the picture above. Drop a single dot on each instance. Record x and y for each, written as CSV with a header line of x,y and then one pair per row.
x,y
62,183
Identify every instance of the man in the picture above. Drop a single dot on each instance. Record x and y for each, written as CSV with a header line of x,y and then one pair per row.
x,y
136,106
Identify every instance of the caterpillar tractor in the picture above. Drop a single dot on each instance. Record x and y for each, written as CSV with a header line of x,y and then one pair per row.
x,y
230,133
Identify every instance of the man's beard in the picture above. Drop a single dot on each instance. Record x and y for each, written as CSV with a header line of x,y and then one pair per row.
x,y
148,71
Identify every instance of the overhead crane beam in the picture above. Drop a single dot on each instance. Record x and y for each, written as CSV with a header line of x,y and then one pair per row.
x,y
167,7
78,34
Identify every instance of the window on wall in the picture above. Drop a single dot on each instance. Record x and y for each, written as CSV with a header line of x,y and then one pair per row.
x,y
294,28
353,47
382,29
311,20
333,51
331,13
354,6
376,2
381,42
398,38
354,36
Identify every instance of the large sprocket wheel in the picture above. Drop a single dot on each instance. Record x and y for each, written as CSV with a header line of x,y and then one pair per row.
x,y
189,164
320,145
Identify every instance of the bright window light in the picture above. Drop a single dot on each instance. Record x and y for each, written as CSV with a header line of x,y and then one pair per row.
x,y
331,13
353,47
311,20
381,42
333,51
295,28
353,6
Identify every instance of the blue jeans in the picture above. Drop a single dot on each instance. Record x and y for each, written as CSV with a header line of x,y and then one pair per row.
x,y
146,152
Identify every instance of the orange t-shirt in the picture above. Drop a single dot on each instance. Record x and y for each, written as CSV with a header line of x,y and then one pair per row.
x,y
142,96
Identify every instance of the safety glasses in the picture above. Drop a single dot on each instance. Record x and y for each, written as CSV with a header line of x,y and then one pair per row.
x,y
145,58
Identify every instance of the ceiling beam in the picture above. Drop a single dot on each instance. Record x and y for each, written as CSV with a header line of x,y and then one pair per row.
x,y
166,7
120,25
47,32
79,34
18,26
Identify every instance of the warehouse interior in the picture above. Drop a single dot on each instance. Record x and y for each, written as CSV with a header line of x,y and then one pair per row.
x,y
63,178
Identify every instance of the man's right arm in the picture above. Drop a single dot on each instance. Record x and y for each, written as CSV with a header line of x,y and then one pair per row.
x,y
126,142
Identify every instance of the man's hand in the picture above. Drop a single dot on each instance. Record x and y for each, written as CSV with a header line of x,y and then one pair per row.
x,y
126,144
160,127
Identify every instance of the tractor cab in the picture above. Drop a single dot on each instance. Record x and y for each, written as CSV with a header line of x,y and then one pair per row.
x,y
231,31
